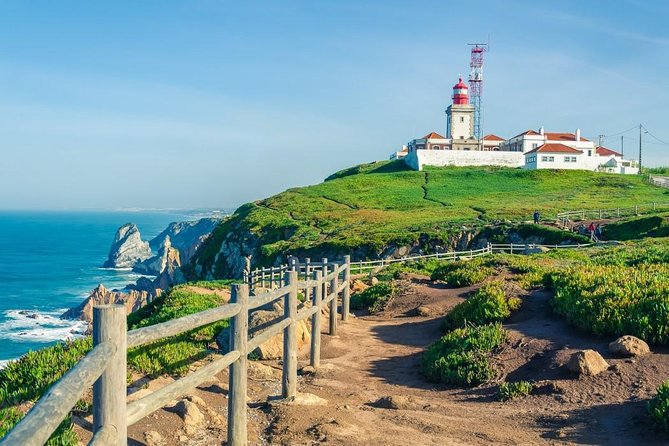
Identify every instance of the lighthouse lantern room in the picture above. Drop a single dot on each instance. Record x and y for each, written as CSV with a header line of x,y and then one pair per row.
x,y
460,119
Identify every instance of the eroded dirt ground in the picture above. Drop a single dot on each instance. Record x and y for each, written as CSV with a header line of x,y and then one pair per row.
x,y
375,395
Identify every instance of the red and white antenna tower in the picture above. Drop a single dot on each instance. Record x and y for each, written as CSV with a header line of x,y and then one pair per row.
x,y
476,84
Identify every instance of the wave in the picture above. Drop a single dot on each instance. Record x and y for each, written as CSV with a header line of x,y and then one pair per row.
x,y
4,362
40,326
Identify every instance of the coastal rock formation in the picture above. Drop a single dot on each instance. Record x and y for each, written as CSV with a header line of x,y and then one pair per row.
x,y
186,236
168,257
127,248
133,301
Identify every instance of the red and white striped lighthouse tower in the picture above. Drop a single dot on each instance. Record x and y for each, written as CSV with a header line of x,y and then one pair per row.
x,y
460,93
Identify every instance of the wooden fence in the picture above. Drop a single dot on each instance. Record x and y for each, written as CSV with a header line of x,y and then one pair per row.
x,y
104,366
565,218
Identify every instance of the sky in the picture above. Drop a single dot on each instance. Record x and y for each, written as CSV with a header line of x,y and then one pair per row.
x,y
189,104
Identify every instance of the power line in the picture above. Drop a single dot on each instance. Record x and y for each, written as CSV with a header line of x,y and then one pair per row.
x,y
620,133
655,137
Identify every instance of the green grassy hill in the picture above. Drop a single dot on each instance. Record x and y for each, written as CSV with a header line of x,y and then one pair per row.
x,y
368,208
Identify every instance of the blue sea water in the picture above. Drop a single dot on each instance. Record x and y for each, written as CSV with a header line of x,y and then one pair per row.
x,y
50,261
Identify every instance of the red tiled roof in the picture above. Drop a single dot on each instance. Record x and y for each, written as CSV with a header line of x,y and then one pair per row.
x,y
526,132
492,138
554,148
603,151
562,137
433,135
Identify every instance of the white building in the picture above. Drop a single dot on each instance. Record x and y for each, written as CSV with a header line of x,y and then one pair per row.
x,y
562,156
530,140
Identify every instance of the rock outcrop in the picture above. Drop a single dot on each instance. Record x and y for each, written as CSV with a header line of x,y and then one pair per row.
x,y
128,248
133,301
587,362
186,236
629,346
168,257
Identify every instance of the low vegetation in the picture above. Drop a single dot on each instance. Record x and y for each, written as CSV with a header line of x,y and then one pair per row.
x,y
637,228
463,273
461,357
373,298
658,407
489,303
512,390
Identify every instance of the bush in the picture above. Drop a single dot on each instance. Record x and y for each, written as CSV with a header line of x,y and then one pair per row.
x,y
658,407
616,300
461,356
395,270
374,298
463,273
489,304
511,390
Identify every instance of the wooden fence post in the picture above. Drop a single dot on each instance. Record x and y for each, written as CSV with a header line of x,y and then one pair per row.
x,y
237,385
109,391
333,303
307,276
618,212
346,297
315,360
289,381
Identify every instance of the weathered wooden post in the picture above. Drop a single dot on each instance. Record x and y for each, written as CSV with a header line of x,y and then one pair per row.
x,y
271,278
315,359
654,206
636,209
239,334
289,381
333,303
346,297
618,212
109,391
307,276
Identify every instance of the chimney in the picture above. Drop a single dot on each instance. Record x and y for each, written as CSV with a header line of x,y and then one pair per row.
x,y
541,130
578,135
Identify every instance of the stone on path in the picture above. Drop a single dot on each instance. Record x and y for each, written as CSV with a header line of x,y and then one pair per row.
x,y
629,346
587,362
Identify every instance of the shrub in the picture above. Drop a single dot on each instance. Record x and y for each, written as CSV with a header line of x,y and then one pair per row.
x,y
461,356
463,273
395,270
658,407
511,390
374,298
616,300
489,304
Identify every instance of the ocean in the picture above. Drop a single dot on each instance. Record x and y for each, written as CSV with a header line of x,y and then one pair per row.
x,y
50,261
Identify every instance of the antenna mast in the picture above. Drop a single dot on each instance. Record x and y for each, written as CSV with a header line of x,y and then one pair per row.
x,y
476,84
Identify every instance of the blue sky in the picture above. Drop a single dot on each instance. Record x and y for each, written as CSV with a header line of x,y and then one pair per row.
x,y
214,103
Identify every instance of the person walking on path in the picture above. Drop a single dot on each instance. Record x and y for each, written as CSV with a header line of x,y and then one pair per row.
x,y
598,231
536,217
591,230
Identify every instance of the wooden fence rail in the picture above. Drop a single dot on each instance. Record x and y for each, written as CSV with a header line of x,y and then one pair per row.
x,y
104,366
564,218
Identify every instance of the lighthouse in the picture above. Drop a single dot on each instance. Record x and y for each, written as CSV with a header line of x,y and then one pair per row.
x,y
460,119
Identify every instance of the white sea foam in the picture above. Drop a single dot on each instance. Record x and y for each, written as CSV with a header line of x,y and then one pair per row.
x,y
36,326
4,362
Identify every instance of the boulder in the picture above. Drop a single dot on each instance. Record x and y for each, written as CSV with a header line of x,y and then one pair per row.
x,y
425,311
193,418
128,248
153,438
395,402
629,346
133,301
587,362
168,257
374,281
358,286
258,370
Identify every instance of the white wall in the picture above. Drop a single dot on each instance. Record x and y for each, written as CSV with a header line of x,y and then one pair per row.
x,y
419,158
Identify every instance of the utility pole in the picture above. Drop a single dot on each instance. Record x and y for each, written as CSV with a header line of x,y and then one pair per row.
x,y
640,127
601,138
622,145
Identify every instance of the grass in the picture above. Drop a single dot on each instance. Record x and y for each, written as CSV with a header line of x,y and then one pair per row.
x,y
369,208
513,390
637,228
373,298
489,304
461,356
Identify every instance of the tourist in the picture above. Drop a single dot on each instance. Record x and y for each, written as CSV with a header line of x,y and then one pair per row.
x,y
536,216
591,229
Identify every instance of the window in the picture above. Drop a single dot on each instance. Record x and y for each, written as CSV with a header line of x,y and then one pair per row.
x,y
462,137
462,119
544,158
547,159
535,145
573,159
436,148
551,159
567,159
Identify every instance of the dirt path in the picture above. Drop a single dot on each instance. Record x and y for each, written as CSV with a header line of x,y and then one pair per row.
x,y
375,395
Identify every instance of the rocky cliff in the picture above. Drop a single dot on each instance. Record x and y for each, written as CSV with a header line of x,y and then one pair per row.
x,y
127,248
186,236
133,301
168,256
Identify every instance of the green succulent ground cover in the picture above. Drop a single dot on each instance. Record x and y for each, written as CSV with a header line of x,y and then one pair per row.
x,y
373,298
370,207
489,303
512,390
461,356
658,407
